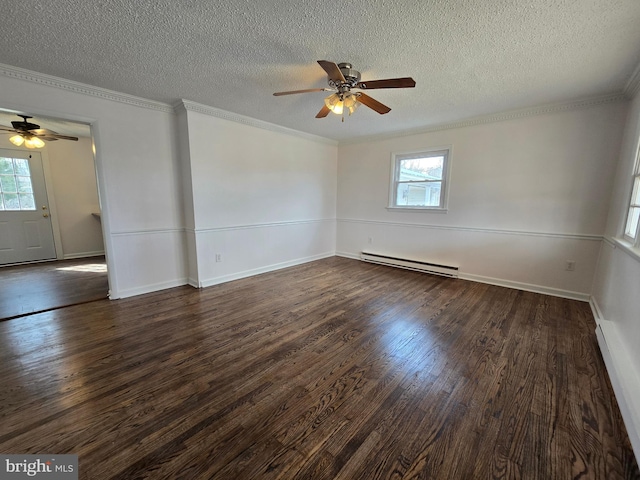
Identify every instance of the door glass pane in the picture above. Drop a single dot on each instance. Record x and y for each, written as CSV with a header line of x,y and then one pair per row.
x,y
6,166
27,202
8,183
21,166
15,184
11,201
24,184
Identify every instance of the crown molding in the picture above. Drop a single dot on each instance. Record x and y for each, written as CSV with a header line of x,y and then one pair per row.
x,y
632,88
190,106
77,87
499,117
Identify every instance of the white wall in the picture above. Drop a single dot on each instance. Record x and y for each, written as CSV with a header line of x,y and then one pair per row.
x,y
616,290
138,172
526,195
261,199
76,195
177,190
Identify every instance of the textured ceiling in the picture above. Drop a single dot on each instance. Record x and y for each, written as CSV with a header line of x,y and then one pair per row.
x,y
468,57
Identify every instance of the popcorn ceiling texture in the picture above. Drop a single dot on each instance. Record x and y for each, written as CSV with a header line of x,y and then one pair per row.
x,y
468,58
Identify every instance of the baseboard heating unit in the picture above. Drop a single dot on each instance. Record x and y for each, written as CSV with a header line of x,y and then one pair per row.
x,y
417,265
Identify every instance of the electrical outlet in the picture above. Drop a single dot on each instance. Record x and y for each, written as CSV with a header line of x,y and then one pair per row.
x,y
218,257
570,266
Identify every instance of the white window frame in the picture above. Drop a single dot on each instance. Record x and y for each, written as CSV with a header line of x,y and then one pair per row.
x,y
635,240
396,157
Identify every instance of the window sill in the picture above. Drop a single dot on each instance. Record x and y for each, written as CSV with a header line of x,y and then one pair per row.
x,y
417,209
627,247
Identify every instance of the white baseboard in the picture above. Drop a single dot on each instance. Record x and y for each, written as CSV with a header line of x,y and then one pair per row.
x,y
527,287
73,256
215,281
555,292
132,292
348,255
256,271
595,309
624,378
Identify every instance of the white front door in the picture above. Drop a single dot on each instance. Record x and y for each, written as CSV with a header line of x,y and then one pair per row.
x,y
26,234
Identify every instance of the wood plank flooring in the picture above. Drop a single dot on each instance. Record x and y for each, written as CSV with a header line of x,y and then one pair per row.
x,y
38,287
335,369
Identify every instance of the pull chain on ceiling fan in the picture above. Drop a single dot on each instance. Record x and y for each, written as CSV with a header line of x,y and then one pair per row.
x,y
31,135
342,78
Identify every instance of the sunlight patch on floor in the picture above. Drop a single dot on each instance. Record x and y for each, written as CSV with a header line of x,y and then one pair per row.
x,y
92,268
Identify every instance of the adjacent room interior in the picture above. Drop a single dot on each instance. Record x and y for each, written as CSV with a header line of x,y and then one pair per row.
x,y
63,264
258,324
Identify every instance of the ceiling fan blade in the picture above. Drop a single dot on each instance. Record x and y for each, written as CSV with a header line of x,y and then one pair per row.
x,y
324,111
291,92
333,71
50,135
404,82
43,131
66,137
44,136
373,103
7,129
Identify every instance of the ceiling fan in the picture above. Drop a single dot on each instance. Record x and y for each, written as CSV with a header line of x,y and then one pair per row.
x,y
31,135
342,79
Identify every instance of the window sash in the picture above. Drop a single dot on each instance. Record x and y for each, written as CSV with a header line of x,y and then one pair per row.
x,y
632,225
443,182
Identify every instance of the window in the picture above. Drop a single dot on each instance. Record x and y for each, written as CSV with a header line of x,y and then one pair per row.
x,y
632,227
419,180
16,190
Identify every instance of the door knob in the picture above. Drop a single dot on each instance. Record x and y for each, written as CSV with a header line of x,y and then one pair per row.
x,y
45,215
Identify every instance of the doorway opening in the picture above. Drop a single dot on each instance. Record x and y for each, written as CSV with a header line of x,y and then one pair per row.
x,y
50,212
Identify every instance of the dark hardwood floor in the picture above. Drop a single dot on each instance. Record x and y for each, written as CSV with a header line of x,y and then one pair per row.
x,y
38,287
335,369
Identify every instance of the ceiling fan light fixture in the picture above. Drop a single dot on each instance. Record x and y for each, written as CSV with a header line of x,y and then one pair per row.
x,y
351,102
334,103
33,142
339,102
17,140
29,141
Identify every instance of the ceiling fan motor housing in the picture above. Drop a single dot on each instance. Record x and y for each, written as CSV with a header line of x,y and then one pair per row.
x,y
351,76
24,125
